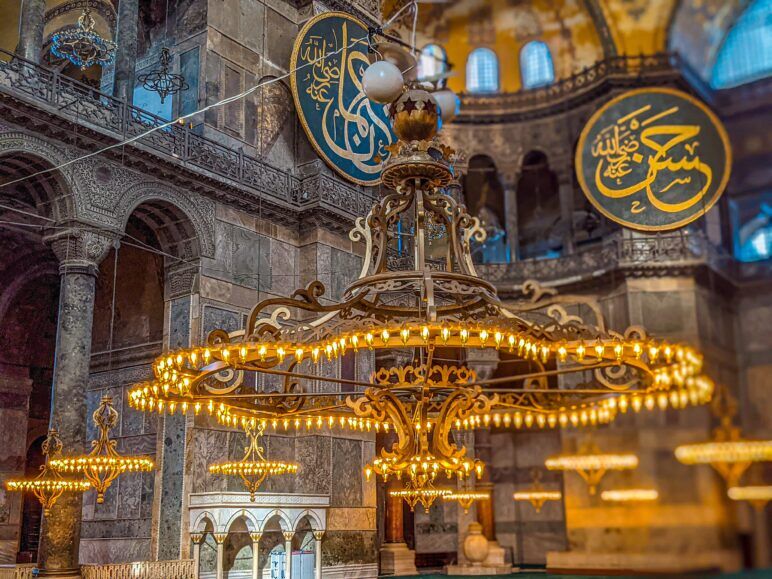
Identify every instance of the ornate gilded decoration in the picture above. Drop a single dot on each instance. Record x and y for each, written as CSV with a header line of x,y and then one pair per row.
x,y
253,468
49,485
537,495
729,453
103,464
347,130
591,464
653,159
425,496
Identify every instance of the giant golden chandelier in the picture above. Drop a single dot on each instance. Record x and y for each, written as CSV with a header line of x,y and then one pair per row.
x,y
569,368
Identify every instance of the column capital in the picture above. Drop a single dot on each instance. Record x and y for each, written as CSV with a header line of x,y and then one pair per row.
x,y
79,250
288,535
256,536
318,535
197,538
220,537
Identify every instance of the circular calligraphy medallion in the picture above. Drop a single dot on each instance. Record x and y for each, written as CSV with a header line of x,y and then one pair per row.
x,y
346,129
653,159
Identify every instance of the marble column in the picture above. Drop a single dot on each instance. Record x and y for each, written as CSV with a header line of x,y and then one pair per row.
x,y
255,554
288,553
566,193
126,56
762,558
396,558
31,25
219,538
509,184
196,538
317,554
79,253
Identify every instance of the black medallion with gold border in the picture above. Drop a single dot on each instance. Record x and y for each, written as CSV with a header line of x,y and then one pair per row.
x,y
346,129
653,159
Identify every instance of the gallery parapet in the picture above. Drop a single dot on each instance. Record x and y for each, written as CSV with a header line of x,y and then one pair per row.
x,y
614,72
202,163
640,255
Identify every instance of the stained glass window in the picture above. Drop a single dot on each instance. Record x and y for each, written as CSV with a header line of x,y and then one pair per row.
x,y
746,54
482,71
536,65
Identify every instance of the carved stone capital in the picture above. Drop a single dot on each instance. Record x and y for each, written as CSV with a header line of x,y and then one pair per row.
x,y
197,538
255,536
181,278
288,535
318,535
79,250
219,538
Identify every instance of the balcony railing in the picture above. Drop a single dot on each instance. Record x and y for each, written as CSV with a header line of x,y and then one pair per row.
x,y
113,117
639,254
616,69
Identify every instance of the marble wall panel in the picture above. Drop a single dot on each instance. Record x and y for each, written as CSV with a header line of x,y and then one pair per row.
x,y
314,454
346,472
344,268
98,551
251,259
279,448
284,276
208,446
219,318
341,547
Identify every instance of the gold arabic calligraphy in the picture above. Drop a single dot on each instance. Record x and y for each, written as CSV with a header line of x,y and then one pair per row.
x,y
644,137
350,127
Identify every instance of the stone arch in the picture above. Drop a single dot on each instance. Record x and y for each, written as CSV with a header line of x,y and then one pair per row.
x,y
188,220
285,523
538,208
248,517
54,197
205,522
313,519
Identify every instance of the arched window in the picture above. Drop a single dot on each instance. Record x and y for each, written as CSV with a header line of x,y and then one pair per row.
x,y
746,54
536,65
482,71
432,61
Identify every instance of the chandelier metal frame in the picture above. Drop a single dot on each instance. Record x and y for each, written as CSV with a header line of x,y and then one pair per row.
x,y
728,452
571,370
591,464
104,463
537,495
162,81
49,485
81,45
253,468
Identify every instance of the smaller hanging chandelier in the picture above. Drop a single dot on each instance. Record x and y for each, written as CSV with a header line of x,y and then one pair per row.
x,y
728,453
81,45
163,81
253,468
537,495
758,496
425,496
629,495
103,464
466,498
49,485
591,464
